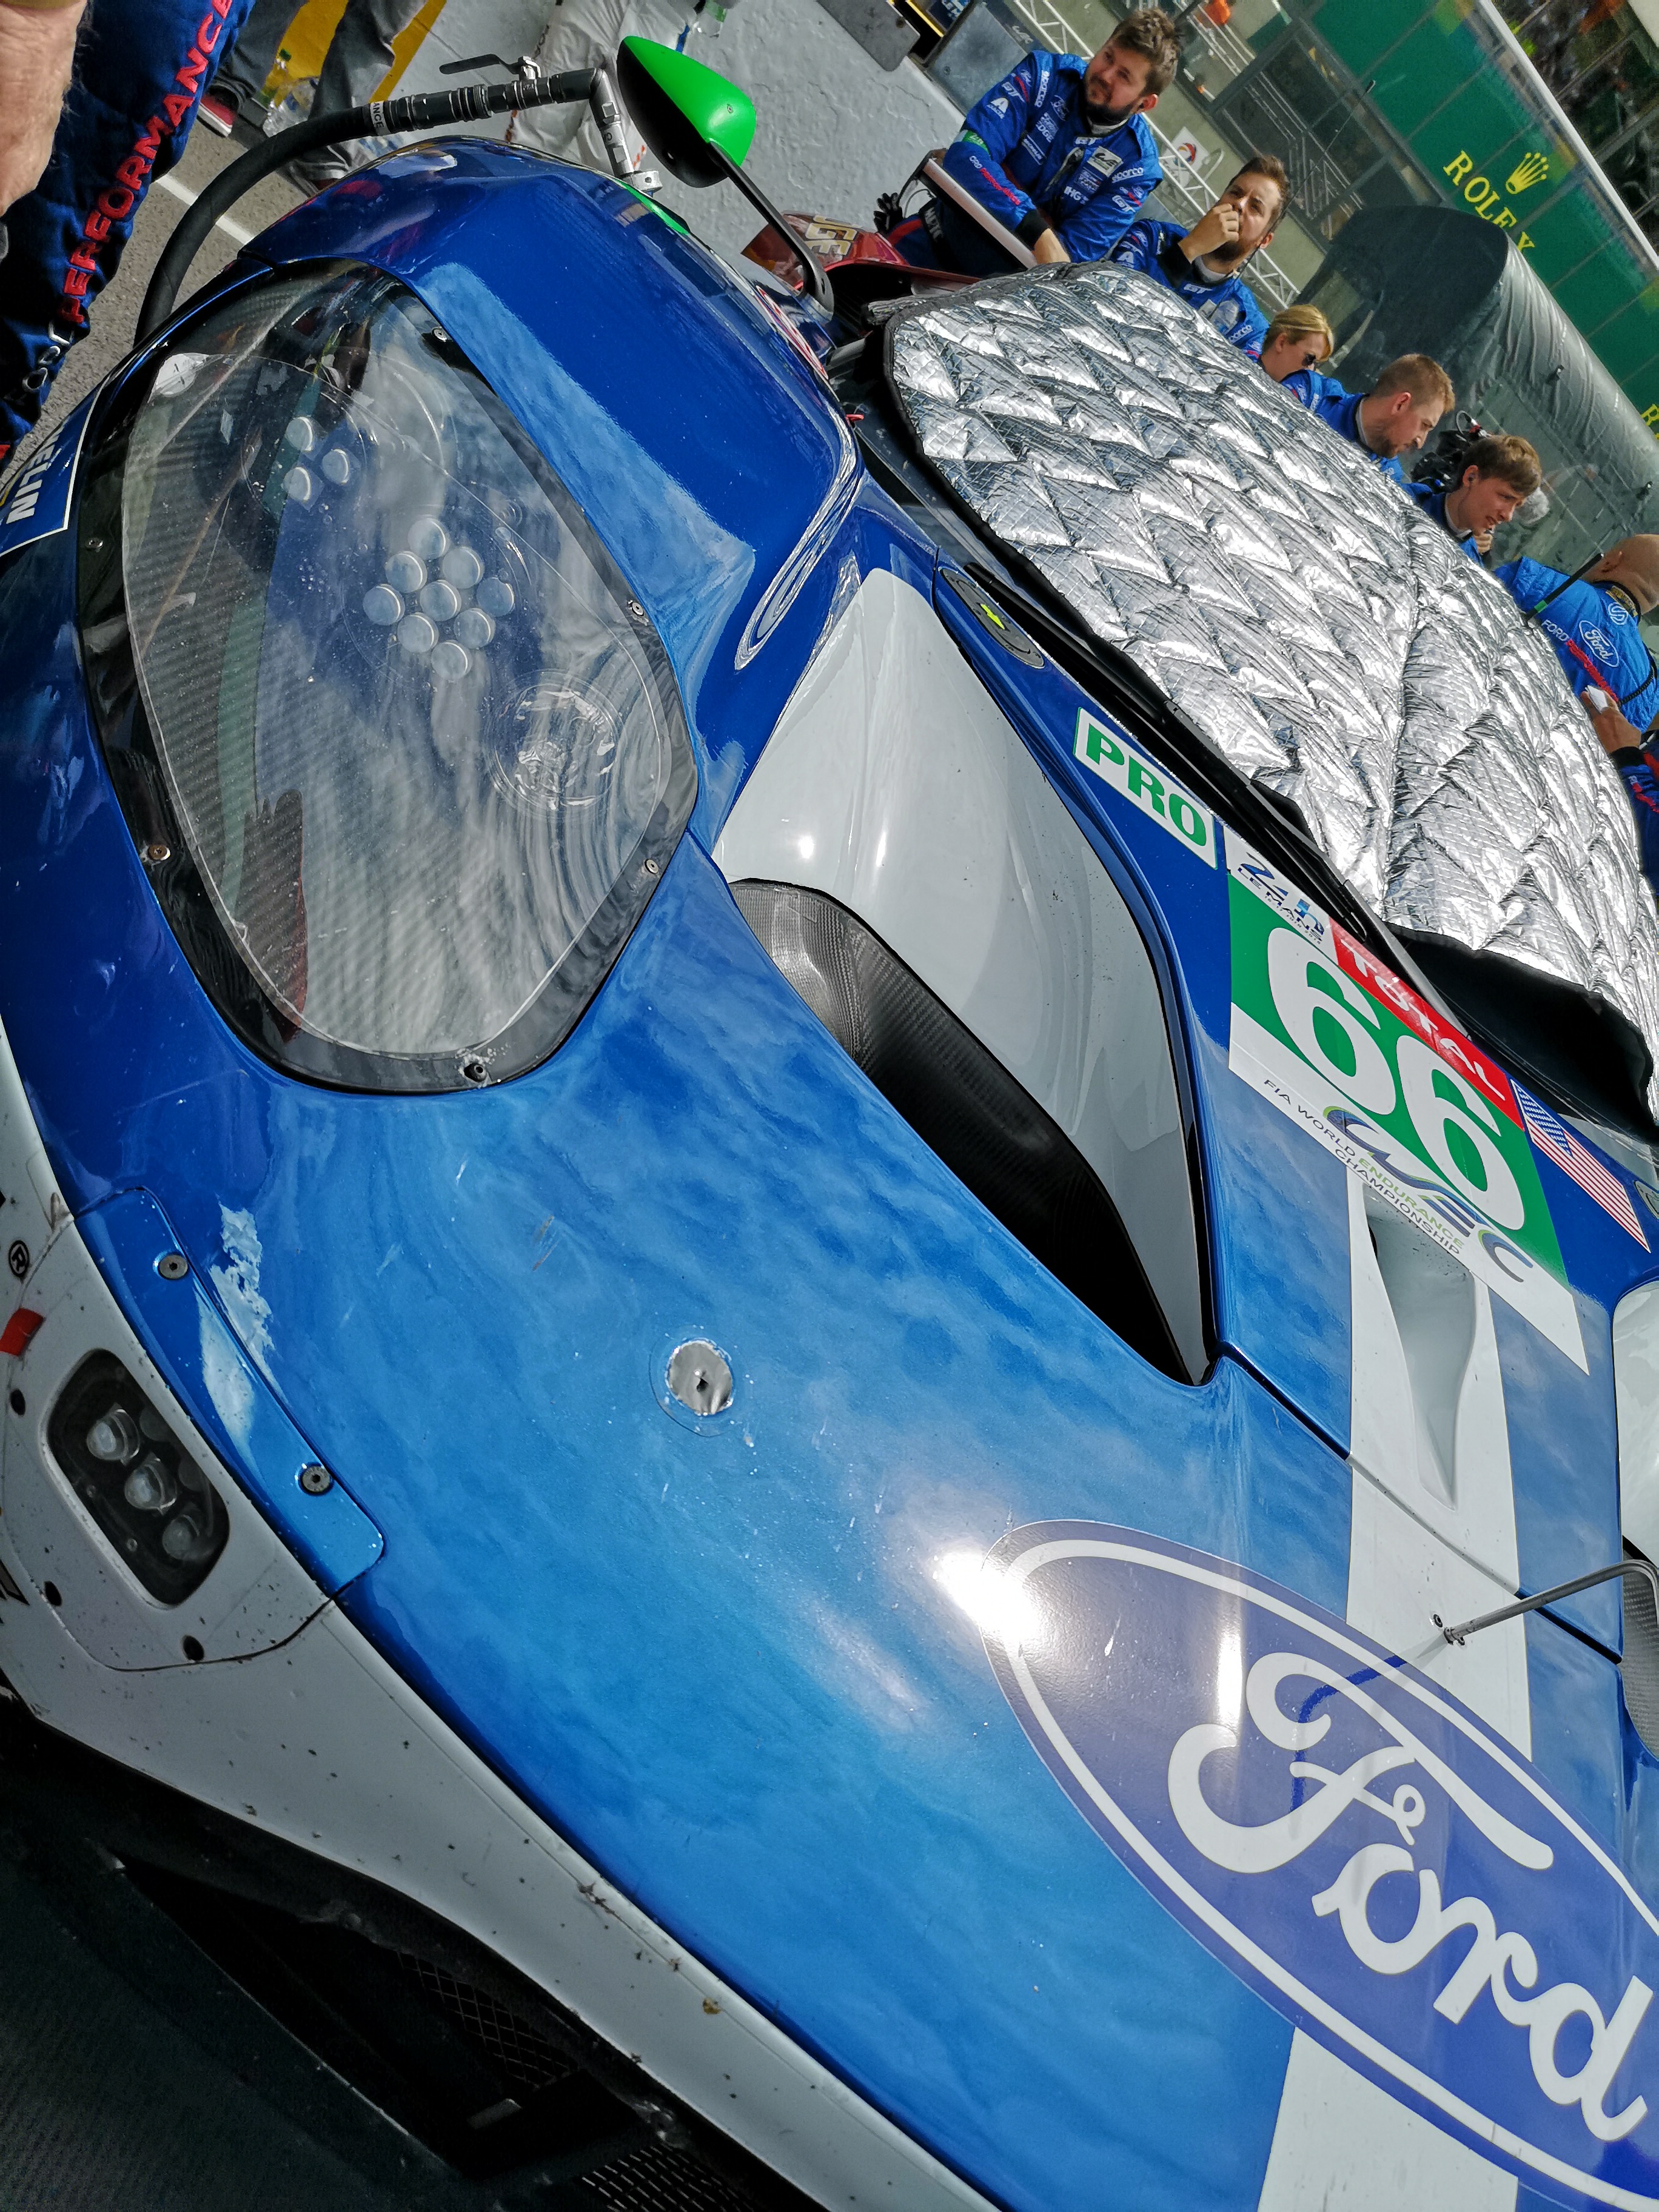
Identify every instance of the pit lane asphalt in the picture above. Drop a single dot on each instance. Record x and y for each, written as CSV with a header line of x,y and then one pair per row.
x,y
107,2104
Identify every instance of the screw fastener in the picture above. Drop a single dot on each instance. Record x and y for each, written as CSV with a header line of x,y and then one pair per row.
x,y
651,869
156,852
172,1266
315,1481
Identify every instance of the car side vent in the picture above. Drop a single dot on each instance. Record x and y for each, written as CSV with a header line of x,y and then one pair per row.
x,y
1639,1667
962,1101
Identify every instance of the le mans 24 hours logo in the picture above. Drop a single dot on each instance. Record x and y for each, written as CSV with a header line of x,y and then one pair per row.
x,y
1349,1839
1356,1058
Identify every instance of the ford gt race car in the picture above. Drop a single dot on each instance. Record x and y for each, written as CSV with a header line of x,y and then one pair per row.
x,y
807,1192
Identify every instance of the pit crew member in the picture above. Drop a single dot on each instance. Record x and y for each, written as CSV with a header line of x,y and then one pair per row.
x,y
1497,474
1593,620
37,50
1298,337
358,58
580,34
1059,153
1203,264
140,68
1393,417
1622,742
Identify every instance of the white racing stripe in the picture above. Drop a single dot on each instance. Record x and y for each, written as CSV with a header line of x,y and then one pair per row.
x,y
1433,1494
232,230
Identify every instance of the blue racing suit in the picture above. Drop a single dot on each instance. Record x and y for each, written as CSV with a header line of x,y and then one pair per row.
x,y
1596,638
1324,396
1433,504
1029,153
1154,248
140,67
1642,788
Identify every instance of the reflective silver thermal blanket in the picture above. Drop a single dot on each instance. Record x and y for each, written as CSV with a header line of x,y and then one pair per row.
x,y
1324,635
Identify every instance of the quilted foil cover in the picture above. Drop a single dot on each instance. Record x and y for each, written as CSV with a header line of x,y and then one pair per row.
x,y
1319,631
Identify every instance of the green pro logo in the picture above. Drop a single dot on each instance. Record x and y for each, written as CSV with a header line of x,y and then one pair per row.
x,y
1115,760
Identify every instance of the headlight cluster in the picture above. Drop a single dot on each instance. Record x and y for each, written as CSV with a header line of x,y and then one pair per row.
x,y
407,738
144,1491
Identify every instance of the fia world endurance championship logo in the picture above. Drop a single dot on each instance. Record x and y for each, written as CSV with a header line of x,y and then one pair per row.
x,y
1373,1861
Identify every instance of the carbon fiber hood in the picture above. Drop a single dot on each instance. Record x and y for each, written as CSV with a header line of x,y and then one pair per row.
x,y
1323,636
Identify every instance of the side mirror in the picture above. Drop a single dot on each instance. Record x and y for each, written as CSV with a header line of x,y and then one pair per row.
x,y
684,111
700,127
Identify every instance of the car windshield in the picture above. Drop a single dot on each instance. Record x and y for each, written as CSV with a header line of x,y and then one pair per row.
x,y
414,730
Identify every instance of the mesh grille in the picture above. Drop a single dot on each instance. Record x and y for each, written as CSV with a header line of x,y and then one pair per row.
x,y
1640,1665
526,2061
658,2180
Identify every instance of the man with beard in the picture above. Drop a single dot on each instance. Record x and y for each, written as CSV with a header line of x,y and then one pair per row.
x,y
1393,417
1058,153
1203,264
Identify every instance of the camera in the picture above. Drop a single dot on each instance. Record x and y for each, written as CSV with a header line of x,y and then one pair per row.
x,y
1447,453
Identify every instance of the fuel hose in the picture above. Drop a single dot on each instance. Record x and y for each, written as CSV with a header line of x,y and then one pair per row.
x,y
378,118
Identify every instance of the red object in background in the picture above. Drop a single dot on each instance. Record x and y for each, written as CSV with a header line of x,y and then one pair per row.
x,y
833,243
19,1330
1218,11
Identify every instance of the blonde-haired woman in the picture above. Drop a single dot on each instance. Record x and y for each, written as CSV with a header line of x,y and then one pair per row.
x,y
1298,337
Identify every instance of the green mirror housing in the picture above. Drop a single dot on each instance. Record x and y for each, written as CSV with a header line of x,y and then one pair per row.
x,y
683,109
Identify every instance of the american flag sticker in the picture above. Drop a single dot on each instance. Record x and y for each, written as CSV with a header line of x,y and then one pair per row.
x,y
1576,1160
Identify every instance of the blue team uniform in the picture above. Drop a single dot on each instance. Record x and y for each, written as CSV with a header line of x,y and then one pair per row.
x,y
1030,155
1324,396
1642,787
1226,301
1597,641
139,70
1433,504
1596,638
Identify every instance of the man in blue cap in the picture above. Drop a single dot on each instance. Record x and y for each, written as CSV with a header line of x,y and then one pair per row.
x,y
1203,264
1059,153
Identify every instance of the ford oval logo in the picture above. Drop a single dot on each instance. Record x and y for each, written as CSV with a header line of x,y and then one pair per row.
x,y
1349,1839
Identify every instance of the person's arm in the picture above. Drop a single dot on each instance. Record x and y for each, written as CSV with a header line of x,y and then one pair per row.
x,y
989,135
1642,788
37,52
1622,742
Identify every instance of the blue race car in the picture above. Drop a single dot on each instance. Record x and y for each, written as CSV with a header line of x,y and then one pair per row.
x,y
766,1372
